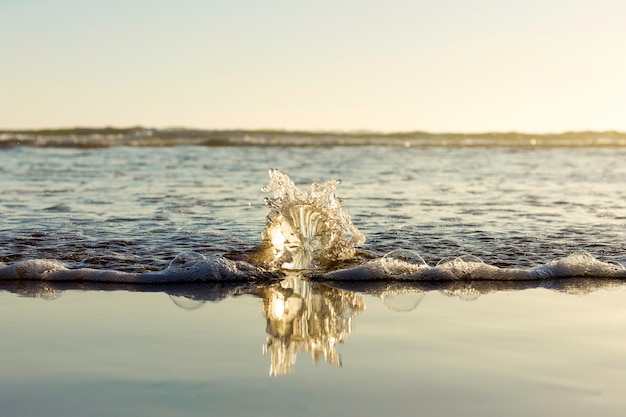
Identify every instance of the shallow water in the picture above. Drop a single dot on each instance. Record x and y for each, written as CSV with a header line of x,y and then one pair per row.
x,y
453,346
135,209
113,351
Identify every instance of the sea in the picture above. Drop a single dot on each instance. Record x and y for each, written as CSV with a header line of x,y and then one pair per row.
x,y
152,272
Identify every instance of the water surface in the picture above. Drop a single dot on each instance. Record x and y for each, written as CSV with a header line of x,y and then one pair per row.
x,y
369,336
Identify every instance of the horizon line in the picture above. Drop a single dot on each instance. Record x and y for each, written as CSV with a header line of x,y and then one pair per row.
x,y
96,129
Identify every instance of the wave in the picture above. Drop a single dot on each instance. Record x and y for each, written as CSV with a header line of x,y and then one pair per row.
x,y
186,267
390,266
193,268
140,136
309,233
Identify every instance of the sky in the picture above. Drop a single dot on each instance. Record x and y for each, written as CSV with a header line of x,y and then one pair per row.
x,y
442,66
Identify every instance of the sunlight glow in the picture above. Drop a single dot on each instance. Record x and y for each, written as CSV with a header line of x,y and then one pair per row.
x,y
531,66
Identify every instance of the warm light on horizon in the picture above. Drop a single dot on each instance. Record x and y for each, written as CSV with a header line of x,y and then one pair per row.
x,y
449,66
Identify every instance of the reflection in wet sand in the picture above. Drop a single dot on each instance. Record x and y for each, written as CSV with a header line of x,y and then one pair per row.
x,y
308,316
302,316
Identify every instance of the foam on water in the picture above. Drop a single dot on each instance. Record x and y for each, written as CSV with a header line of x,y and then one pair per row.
x,y
308,230
186,267
193,267
577,265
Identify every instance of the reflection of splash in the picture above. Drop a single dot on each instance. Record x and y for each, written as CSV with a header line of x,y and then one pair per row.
x,y
306,229
307,317
301,316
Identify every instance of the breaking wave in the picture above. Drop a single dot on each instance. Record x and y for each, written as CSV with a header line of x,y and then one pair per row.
x,y
194,267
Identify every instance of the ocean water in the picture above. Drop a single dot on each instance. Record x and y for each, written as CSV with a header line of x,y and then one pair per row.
x,y
148,272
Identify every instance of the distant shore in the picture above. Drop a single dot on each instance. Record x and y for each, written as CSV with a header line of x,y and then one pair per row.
x,y
144,136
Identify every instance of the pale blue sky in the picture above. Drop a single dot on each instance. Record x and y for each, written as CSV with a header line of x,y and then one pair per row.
x,y
443,65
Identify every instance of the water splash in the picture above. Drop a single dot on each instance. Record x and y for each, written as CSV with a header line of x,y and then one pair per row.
x,y
306,229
